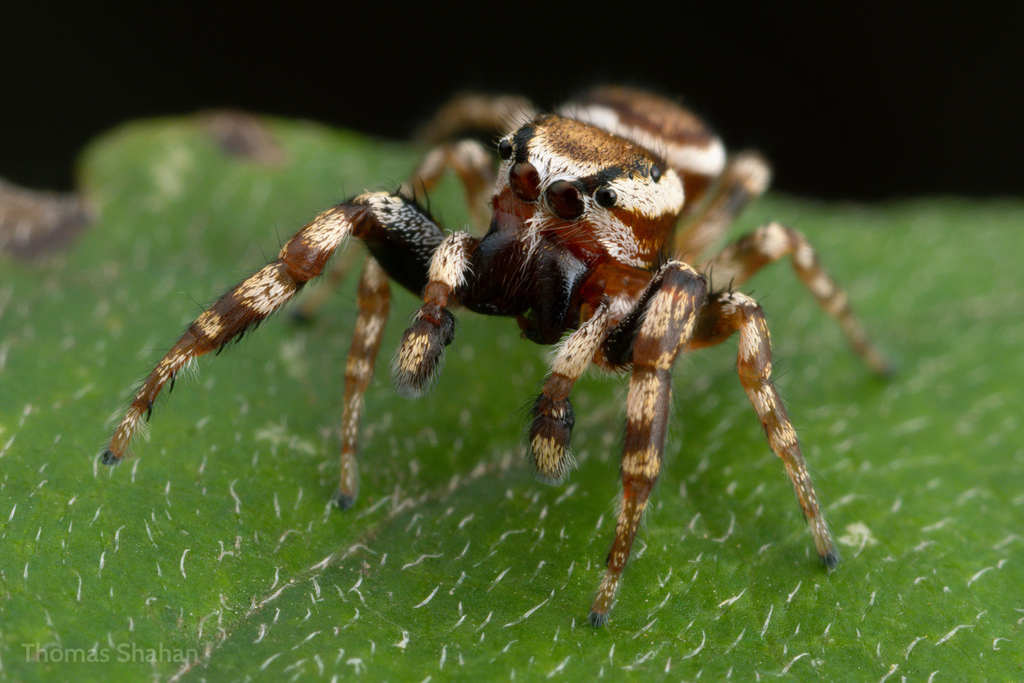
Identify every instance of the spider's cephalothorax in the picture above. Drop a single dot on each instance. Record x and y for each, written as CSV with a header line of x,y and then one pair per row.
x,y
583,247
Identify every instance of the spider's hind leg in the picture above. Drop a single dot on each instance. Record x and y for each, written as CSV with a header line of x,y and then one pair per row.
x,y
739,261
745,178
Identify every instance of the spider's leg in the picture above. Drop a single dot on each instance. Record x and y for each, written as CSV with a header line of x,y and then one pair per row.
x,y
670,308
310,303
398,233
472,163
740,260
482,114
724,314
373,298
744,179
553,419
474,166
421,353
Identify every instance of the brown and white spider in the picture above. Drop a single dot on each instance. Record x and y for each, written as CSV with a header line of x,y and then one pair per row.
x,y
582,248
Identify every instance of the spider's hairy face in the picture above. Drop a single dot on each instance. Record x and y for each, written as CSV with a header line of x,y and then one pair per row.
x,y
587,190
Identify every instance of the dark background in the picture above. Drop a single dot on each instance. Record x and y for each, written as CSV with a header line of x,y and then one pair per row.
x,y
863,105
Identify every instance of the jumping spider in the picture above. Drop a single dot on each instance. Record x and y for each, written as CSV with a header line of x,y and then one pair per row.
x,y
582,249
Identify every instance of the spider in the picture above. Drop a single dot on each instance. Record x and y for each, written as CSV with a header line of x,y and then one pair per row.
x,y
583,250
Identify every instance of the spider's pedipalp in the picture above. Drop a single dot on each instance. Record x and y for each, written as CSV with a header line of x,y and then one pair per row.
x,y
552,414
421,353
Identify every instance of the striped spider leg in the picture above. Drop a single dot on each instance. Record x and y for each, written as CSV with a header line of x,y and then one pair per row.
x,y
648,341
400,236
739,261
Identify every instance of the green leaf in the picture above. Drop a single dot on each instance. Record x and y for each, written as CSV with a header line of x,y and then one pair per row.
x,y
216,542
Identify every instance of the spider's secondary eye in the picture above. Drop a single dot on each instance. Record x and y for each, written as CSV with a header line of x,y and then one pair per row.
x,y
655,173
525,181
565,200
606,197
505,149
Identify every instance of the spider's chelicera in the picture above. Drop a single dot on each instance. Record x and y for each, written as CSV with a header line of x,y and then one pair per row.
x,y
583,249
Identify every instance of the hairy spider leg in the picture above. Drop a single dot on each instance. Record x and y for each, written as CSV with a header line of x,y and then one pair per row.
x,y
373,297
472,163
552,414
745,178
399,234
739,261
469,113
666,324
311,302
421,353
729,312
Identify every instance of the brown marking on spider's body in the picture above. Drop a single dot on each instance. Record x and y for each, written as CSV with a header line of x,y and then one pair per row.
x,y
585,248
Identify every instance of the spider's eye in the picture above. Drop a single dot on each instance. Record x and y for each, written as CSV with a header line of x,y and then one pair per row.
x,y
606,197
565,200
525,181
505,149
655,173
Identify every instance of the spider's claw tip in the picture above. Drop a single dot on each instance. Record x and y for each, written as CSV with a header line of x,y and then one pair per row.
x,y
888,370
108,458
342,500
598,619
831,559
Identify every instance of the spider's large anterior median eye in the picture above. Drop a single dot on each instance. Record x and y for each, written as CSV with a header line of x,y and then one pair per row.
x,y
565,200
505,149
606,197
525,181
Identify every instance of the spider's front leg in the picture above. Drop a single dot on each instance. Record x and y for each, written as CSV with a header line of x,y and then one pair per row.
x,y
401,238
659,327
